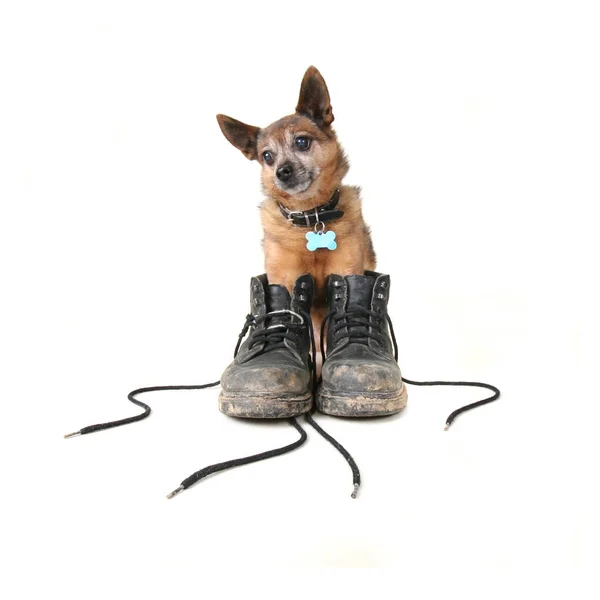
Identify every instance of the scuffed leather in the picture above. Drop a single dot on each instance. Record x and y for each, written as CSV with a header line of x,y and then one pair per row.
x,y
280,370
352,367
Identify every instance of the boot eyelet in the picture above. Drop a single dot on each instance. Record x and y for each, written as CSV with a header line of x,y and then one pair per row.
x,y
256,288
337,283
257,301
381,296
302,298
303,285
337,297
383,284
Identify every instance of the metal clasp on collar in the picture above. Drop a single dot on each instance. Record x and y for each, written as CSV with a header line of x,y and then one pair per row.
x,y
292,213
319,222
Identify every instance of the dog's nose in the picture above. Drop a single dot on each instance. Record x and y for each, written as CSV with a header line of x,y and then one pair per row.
x,y
284,172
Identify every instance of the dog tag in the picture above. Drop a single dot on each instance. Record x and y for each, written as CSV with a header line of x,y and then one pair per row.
x,y
321,239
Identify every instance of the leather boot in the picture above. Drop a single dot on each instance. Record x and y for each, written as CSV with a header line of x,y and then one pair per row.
x,y
271,375
361,377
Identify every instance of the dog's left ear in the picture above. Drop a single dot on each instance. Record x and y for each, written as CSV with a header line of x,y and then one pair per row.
x,y
240,135
314,100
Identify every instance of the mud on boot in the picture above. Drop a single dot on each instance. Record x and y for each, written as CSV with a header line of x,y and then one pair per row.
x,y
361,377
271,374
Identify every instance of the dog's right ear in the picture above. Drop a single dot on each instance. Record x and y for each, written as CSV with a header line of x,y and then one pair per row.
x,y
240,135
314,99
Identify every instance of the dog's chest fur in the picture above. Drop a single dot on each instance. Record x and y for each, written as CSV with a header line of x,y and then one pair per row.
x,y
286,255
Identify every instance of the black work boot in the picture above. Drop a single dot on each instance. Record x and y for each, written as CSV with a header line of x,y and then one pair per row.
x,y
361,377
271,375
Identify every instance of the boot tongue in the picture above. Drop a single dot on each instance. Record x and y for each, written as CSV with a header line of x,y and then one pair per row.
x,y
360,290
277,298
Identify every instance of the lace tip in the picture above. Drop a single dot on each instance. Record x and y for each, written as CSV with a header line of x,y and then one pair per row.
x,y
70,435
175,492
355,491
447,427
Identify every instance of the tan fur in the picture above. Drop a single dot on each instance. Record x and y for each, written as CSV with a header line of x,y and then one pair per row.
x,y
286,255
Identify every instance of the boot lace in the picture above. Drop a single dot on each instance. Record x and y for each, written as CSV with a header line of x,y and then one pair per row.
x,y
274,335
361,324
358,316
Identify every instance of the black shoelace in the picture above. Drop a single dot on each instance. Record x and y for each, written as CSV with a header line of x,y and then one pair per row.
x,y
361,324
272,337
283,327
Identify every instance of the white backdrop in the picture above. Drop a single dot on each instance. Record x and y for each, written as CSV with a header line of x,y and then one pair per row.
x,y
129,232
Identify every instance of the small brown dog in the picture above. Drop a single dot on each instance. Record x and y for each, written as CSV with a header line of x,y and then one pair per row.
x,y
303,166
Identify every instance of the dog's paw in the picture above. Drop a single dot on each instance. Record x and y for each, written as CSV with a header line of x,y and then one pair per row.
x,y
321,240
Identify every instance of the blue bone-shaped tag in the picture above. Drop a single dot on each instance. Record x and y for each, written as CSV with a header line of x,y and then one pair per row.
x,y
321,240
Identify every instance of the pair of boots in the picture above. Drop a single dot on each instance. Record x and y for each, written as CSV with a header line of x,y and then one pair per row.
x,y
273,374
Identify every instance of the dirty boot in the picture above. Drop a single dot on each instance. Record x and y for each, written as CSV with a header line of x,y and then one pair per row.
x,y
271,375
361,377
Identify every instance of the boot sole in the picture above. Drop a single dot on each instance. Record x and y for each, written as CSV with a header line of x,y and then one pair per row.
x,y
264,406
358,405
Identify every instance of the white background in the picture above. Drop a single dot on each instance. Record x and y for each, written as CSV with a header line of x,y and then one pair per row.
x,y
129,232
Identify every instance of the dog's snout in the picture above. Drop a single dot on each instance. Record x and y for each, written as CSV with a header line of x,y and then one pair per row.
x,y
284,172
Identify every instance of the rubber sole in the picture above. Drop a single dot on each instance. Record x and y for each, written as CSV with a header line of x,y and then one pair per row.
x,y
359,405
264,406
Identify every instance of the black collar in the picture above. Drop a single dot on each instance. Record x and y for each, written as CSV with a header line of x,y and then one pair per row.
x,y
309,218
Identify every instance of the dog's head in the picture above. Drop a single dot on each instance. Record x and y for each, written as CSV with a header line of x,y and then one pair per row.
x,y
300,156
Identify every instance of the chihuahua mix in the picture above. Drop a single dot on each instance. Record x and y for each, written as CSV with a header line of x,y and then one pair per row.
x,y
303,166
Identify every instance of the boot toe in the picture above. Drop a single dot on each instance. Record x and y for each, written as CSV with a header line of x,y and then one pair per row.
x,y
362,377
355,388
275,379
265,391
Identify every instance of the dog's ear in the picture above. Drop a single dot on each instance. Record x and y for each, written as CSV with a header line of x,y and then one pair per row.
x,y
242,136
314,100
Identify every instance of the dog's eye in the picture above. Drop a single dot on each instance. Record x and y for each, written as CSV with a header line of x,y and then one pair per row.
x,y
267,157
302,142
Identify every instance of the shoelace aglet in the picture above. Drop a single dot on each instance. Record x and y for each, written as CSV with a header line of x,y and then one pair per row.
x,y
355,491
175,492
70,435
447,426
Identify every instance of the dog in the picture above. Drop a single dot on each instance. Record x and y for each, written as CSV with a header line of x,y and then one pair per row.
x,y
302,168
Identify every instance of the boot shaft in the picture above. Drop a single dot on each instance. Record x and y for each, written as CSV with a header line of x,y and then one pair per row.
x,y
265,297
271,376
358,304
273,308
